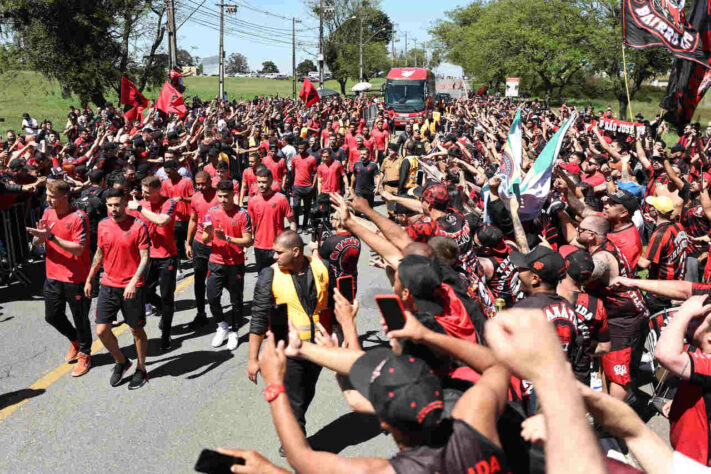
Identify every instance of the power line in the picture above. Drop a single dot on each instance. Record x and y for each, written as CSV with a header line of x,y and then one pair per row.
x,y
244,23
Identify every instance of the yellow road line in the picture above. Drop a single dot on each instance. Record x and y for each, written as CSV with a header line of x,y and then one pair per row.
x,y
55,374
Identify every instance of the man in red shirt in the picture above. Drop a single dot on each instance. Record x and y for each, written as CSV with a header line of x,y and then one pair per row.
x,y
157,213
204,200
619,207
276,164
64,232
591,173
122,248
689,417
381,139
249,177
303,166
180,190
268,210
223,174
229,229
330,174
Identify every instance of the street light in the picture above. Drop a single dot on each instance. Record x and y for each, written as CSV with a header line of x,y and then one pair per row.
x,y
361,43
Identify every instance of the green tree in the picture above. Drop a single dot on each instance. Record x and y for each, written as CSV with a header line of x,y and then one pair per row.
x,y
236,64
268,67
185,58
606,55
544,41
86,45
341,48
306,66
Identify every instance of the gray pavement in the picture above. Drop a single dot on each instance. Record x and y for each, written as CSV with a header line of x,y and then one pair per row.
x,y
197,396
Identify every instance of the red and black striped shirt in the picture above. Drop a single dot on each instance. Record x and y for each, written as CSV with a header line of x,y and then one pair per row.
x,y
667,250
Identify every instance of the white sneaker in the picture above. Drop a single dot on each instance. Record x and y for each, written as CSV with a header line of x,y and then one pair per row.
x,y
220,336
232,341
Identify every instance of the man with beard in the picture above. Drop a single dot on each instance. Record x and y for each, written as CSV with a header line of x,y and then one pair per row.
x,y
627,313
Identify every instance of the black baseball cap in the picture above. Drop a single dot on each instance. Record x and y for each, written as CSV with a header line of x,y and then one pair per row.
x,y
403,389
394,147
16,164
489,236
543,261
625,198
677,148
170,165
422,276
579,265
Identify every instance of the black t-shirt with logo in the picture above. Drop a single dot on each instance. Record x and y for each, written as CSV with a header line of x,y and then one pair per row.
x,y
561,313
365,176
466,450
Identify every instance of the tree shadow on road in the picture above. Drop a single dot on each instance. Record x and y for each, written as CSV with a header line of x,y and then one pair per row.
x,y
11,398
360,427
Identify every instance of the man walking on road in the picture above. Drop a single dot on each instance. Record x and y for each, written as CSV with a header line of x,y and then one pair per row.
x,y
268,210
195,248
303,286
229,229
64,232
123,250
158,214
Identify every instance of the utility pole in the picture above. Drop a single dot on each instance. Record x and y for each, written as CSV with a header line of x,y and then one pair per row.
x,y
360,44
172,42
320,44
230,9
406,63
414,50
222,51
293,57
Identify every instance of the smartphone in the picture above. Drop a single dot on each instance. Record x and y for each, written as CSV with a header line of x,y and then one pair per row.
x,y
420,177
208,221
391,308
215,463
345,287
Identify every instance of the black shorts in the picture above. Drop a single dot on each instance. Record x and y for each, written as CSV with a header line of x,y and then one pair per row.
x,y
111,301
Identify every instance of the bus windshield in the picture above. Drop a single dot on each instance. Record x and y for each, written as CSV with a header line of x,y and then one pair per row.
x,y
405,96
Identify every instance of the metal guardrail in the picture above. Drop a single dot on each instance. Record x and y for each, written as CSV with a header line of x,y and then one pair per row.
x,y
15,239
369,115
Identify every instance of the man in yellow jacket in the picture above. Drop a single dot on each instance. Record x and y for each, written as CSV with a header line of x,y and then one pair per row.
x,y
296,289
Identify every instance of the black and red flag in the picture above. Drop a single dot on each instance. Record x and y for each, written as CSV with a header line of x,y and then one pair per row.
x,y
130,95
649,23
309,94
171,101
689,80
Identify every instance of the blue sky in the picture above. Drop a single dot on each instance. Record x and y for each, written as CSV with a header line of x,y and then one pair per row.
x,y
200,34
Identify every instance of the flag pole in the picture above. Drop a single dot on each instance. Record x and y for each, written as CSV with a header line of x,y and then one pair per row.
x,y
627,86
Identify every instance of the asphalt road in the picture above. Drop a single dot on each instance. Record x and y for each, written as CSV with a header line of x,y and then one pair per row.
x,y
197,396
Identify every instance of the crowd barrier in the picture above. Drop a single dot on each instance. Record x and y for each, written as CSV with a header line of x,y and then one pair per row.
x,y
15,241
369,115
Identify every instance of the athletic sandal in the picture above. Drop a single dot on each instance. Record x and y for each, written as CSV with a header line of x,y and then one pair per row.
x,y
72,352
83,365
119,370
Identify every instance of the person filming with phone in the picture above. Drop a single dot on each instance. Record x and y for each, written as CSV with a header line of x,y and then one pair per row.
x,y
301,288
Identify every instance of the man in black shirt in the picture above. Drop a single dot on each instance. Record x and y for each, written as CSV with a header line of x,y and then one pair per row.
x,y
540,271
363,180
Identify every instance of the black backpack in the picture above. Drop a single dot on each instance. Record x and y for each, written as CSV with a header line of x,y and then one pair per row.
x,y
93,205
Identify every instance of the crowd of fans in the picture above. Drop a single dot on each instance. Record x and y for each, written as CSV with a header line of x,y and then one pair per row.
x,y
513,330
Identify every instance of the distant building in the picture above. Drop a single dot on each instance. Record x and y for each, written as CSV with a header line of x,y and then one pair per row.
x,y
211,65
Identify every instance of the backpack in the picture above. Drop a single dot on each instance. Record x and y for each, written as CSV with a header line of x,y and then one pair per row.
x,y
93,206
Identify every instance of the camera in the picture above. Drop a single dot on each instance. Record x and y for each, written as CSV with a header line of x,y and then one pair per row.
x,y
321,218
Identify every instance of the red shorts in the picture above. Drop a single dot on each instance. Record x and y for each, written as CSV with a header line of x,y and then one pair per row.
x,y
616,366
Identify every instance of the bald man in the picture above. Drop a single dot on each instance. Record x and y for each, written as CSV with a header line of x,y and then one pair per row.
x,y
296,289
627,313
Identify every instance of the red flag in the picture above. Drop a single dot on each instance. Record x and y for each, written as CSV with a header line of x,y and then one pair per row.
x,y
309,94
170,100
130,95
135,113
482,90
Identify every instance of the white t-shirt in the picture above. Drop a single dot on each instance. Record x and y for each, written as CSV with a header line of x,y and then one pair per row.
x,y
30,126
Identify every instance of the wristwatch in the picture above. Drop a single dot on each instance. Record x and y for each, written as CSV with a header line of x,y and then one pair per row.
x,y
51,237
272,391
139,208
